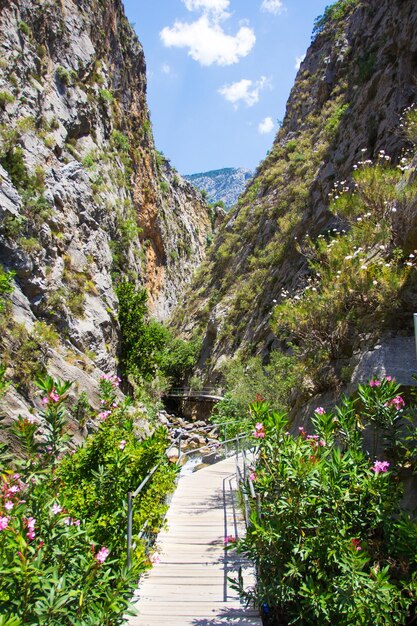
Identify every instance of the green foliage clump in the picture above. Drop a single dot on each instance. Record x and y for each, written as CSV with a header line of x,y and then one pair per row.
x,y
65,76
246,379
106,96
25,29
148,348
333,123
58,508
328,534
120,141
6,287
6,98
357,273
98,476
164,186
334,13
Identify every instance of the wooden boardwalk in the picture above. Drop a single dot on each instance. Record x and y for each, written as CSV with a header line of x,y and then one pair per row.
x,y
189,586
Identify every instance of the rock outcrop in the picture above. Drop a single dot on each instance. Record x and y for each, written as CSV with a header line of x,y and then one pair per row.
x,y
85,199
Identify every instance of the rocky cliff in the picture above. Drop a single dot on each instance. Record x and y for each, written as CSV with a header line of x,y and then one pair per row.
x,y
357,79
225,185
85,199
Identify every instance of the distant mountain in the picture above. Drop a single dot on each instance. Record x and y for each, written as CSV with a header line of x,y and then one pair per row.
x,y
226,184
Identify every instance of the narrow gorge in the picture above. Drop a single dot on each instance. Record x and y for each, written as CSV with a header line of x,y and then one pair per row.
x,y
144,321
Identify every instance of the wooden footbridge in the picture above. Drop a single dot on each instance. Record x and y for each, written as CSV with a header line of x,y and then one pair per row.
x,y
189,586
207,394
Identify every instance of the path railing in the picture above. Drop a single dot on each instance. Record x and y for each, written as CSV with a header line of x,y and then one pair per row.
x,y
233,445
133,494
245,483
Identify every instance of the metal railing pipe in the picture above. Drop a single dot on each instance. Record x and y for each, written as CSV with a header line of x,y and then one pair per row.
x,y
129,528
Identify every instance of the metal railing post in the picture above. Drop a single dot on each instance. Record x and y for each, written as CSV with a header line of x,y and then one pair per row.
x,y
129,528
179,447
225,440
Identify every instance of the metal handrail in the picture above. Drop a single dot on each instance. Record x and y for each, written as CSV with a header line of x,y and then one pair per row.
x,y
133,494
243,480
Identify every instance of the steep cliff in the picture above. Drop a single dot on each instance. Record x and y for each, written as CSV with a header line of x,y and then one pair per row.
x,y
357,79
85,199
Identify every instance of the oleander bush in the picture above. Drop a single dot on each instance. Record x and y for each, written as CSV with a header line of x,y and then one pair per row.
x,y
63,513
330,539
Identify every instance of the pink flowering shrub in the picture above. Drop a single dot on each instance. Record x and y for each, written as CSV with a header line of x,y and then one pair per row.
x,y
60,503
327,532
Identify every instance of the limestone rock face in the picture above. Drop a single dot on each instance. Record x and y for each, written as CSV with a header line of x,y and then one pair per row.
x,y
85,199
350,92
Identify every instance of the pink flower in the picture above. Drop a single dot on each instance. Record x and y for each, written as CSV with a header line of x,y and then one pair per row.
x,y
30,525
16,476
122,444
259,432
229,539
155,558
388,378
398,402
14,489
54,396
252,476
103,415
375,383
44,401
77,522
102,554
322,443
56,508
357,544
380,466
8,505
4,521
68,521
320,410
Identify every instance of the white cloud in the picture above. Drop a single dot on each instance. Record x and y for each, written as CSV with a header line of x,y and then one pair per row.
x,y
215,6
207,42
266,126
165,68
298,61
273,6
244,90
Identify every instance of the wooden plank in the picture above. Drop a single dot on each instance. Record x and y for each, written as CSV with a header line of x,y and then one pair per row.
x,y
189,586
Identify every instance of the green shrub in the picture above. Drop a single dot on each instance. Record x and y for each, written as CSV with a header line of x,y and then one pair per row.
x,y
330,541
57,508
120,141
164,186
106,96
333,123
6,287
333,13
6,98
25,29
148,348
65,76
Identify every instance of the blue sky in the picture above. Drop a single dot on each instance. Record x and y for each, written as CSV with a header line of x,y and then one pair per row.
x,y
219,74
